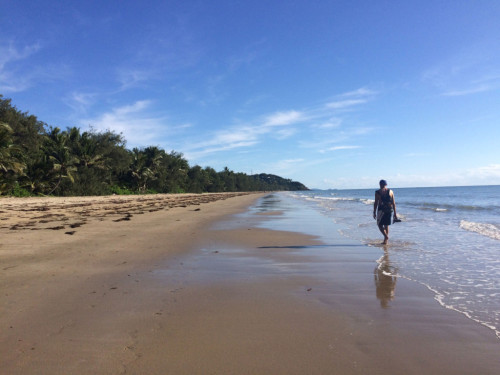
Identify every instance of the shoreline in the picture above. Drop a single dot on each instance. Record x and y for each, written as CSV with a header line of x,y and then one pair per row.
x,y
216,287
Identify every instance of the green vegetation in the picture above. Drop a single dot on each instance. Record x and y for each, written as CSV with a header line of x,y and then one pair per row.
x,y
37,159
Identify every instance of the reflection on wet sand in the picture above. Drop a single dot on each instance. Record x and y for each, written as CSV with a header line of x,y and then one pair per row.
x,y
385,280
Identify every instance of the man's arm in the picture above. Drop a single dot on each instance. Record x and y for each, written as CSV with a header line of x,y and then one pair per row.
x,y
394,204
375,205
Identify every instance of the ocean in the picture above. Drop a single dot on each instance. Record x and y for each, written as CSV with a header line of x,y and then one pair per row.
x,y
448,241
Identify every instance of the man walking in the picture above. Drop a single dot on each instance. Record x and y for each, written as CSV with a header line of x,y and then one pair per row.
x,y
383,208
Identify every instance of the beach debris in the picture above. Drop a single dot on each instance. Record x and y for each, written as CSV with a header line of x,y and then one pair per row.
x,y
59,227
125,218
76,211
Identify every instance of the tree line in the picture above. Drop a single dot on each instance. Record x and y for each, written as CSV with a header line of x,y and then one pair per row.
x,y
38,159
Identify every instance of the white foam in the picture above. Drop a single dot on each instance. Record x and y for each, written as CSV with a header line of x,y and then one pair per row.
x,y
440,298
336,199
368,201
485,229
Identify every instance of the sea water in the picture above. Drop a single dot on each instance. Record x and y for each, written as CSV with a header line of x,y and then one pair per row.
x,y
448,240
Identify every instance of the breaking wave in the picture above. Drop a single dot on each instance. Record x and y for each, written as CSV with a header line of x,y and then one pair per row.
x,y
485,229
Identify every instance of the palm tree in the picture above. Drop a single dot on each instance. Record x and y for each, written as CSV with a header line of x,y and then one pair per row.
x,y
175,169
145,164
84,148
38,169
10,166
59,153
228,178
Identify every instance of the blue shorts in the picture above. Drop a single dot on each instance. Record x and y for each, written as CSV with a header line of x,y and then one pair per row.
x,y
383,218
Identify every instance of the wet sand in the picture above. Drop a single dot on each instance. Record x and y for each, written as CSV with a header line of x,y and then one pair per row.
x,y
192,284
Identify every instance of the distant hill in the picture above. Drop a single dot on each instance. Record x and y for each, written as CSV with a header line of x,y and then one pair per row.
x,y
277,183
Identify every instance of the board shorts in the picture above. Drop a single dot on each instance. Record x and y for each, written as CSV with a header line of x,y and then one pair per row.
x,y
383,218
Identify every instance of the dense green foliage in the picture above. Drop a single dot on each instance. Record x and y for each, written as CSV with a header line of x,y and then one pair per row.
x,y
37,159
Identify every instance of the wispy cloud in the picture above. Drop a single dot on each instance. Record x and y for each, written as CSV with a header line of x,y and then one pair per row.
x,y
283,118
294,166
12,79
278,125
79,102
133,77
284,125
335,140
361,92
329,124
351,99
137,122
489,174
416,154
246,57
223,140
472,71
471,90
341,104
284,166
335,129
346,147
18,73
10,53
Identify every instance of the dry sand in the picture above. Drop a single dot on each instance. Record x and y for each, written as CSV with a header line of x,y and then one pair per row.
x,y
171,285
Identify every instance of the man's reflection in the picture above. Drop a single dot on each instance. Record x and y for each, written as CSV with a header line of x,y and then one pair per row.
x,y
385,280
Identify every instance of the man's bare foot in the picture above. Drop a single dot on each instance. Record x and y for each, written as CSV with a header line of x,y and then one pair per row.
x,y
386,239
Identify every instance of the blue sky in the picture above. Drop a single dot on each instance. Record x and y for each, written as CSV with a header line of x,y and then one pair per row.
x,y
335,94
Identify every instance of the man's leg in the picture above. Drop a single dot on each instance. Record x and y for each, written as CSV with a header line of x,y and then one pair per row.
x,y
385,231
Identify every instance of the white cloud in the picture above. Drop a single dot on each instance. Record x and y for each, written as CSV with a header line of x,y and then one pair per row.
x,y
12,79
336,148
130,78
329,124
351,99
284,125
18,72
241,136
294,167
283,118
224,140
285,133
359,92
139,127
469,91
416,154
245,135
80,101
9,53
12,83
201,152
489,174
333,141
342,104
284,166
473,70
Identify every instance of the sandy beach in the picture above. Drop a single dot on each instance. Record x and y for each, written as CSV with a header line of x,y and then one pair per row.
x,y
196,284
